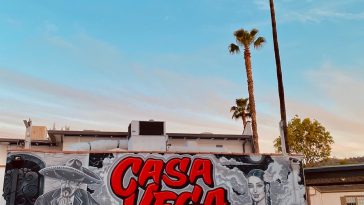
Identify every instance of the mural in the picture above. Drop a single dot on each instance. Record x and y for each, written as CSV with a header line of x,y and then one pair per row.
x,y
165,178
22,181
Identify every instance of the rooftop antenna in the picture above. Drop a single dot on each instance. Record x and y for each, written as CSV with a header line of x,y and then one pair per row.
x,y
28,131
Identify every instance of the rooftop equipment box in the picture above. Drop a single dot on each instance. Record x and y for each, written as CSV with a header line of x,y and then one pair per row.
x,y
147,136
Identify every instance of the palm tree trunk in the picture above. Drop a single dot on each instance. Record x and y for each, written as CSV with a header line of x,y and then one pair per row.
x,y
279,75
249,75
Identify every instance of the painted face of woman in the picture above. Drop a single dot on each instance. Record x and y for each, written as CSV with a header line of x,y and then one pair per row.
x,y
256,188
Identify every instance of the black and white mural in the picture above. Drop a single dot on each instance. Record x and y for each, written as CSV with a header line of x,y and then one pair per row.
x,y
161,179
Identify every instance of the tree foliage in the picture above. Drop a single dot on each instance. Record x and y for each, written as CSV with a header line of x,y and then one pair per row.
x,y
307,137
241,110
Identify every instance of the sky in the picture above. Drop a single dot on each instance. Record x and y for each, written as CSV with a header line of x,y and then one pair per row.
x,y
100,64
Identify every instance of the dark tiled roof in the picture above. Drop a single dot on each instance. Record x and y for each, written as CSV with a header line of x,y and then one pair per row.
x,y
334,175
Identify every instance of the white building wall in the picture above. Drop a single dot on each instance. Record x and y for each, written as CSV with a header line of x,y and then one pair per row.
x,y
159,143
3,154
317,198
72,143
162,143
207,145
69,141
147,143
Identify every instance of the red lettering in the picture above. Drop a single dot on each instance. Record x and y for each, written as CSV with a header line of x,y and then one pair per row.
x,y
179,175
148,196
201,168
117,176
161,198
132,199
186,197
152,169
216,197
176,173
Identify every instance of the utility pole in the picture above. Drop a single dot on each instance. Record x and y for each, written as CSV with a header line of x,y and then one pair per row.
x,y
283,123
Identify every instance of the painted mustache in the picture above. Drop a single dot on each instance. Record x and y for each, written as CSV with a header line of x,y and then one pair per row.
x,y
66,191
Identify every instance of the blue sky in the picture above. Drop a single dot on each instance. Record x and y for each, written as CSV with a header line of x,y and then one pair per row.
x,y
99,65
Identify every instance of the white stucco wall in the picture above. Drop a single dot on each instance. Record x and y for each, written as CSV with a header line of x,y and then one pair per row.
x,y
3,154
158,143
147,143
70,141
207,145
318,198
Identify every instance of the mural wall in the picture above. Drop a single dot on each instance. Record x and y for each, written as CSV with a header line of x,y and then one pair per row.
x,y
144,179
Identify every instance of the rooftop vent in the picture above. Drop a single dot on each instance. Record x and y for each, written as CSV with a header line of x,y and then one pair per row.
x,y
146,128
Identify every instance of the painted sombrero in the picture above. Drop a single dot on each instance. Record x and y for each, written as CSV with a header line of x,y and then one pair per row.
x,y
71,171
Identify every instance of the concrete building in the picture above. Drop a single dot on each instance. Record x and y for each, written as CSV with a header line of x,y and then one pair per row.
x,y
335,185
141,136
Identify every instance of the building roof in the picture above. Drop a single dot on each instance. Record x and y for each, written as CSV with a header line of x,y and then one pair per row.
x,y
87,133
21,141
340,188
206,136
54,134
10,140
334,175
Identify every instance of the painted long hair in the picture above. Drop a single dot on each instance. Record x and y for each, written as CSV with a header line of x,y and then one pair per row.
x,y
260,174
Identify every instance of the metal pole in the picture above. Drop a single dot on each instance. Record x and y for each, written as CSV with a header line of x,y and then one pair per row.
x,y
279,77
283,137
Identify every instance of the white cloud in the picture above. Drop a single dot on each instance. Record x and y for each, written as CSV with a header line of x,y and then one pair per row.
x,y
317,15
340,91
311,11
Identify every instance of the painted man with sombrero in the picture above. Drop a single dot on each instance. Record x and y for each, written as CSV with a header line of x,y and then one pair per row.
x,y
72,175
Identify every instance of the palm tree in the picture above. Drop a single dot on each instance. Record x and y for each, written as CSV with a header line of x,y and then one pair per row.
x,y
245,39
241,110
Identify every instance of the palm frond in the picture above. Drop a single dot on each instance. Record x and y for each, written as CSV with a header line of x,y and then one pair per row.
x,y
241,102
247,38
242,37
239,33
233,48
233,108
253,32
241,109
259,42
236,114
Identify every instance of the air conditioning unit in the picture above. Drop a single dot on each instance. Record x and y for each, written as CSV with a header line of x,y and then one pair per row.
x,y
146,128
147,136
